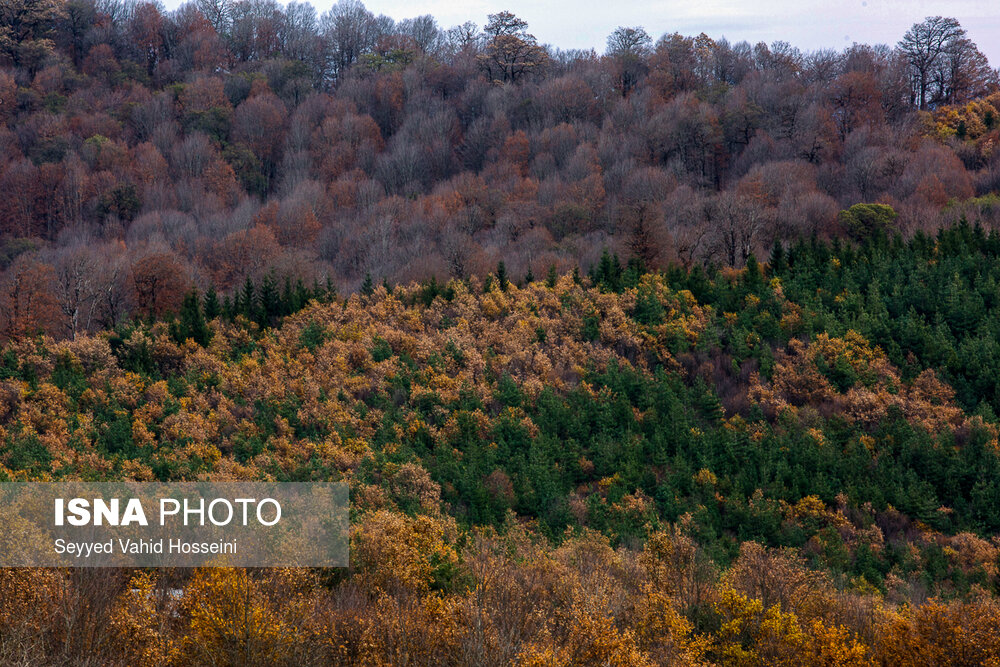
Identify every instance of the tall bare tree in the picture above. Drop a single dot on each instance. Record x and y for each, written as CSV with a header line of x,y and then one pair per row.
x,y
629,48
926,46
511,52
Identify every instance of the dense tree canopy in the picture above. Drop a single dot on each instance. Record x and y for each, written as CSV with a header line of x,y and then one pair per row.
x,y
517,297
792,463
241,139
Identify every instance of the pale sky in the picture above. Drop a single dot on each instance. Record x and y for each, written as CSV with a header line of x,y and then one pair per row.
x,y
807,24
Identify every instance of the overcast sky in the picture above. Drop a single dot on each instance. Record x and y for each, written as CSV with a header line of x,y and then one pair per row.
x,y
808,24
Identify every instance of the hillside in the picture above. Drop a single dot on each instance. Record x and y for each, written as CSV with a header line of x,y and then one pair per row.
x,y
144,151
686,352
793,463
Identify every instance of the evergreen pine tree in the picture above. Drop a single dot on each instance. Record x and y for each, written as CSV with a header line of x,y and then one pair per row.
x,y
191,323
552,277
608,273
248,300
648,309
212,307
502,276
367,287
302,295
616,273
752,277
777,260
634,271
269,302
430,291
288,303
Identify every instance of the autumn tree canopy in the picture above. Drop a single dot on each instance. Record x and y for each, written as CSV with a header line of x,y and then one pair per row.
x,y
249,140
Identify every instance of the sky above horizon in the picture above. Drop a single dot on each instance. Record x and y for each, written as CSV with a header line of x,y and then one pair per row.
x,y
807,24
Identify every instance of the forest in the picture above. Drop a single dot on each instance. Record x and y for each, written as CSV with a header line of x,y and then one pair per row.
x,y
684,353
790,463
143,151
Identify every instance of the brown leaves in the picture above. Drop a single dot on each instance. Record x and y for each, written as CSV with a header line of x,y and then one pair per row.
x,y
848,377
955,633
393,553
28,304
159,281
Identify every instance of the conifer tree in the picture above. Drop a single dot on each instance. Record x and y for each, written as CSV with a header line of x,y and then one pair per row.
x,y
211,300
552,277
502,279
191,323
248,300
